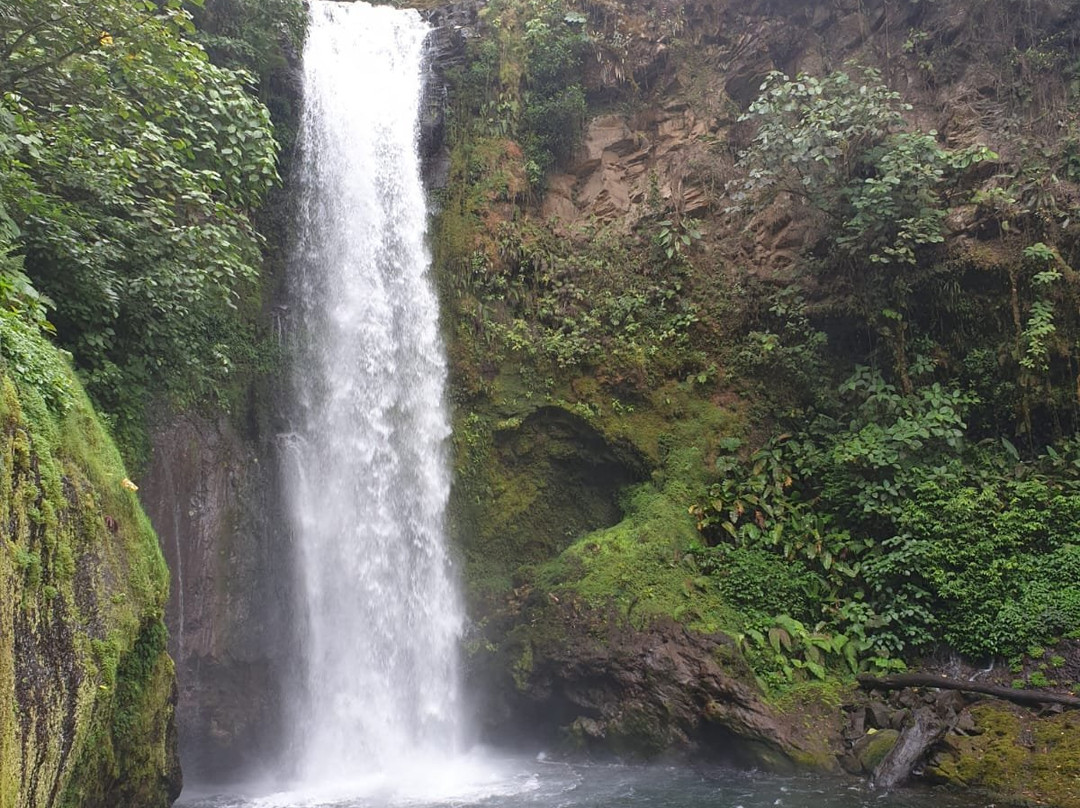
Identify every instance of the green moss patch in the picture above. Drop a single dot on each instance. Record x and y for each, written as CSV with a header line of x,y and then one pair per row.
x,y
637,566
528,486
1016,754
82,593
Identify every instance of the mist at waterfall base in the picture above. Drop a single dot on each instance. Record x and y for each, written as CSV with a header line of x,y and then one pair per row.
x,y
377,715
535,783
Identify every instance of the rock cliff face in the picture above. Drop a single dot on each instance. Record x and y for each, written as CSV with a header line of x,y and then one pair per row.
x,y
585,681
579,633
87,690
212,493
692,70
451,25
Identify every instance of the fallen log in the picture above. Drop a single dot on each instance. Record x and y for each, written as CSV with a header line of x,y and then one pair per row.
x,y
922,729
1026,697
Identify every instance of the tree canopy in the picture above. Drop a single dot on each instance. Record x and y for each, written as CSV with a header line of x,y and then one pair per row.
x,y
130,168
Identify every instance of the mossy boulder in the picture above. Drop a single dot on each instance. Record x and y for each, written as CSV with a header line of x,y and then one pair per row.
x,y
586,680
528,484
1016,754
86,686
636,567
872,748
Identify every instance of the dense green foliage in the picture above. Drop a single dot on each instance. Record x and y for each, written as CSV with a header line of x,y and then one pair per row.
x,y
525,80
130,169
264,39
897,533
840,150
903,476
904,512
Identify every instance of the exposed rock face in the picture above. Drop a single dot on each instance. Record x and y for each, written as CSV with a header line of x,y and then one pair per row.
x,y
592,682
213,496
625,163
691,69
452,25
87,690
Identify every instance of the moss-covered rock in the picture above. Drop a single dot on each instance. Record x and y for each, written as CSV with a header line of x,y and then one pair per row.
x,y
636,567
872,748
1014,753
584,679
86,687
529,485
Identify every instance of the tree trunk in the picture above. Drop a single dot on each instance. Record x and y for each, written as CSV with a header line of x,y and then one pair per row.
x,y
922,730
1026,697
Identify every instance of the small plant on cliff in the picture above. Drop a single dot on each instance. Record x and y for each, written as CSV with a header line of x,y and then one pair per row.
x,y
1040,329
555,108
784,353
676,236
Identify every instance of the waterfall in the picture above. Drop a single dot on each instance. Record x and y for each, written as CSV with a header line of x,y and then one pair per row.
x,y
366,463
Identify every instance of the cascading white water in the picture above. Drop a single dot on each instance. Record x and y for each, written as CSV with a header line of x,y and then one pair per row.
x,y
367,471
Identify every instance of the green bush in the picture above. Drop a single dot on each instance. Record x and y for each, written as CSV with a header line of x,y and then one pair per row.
x,y
839,146
129,173
898,534
1002,563
760,583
